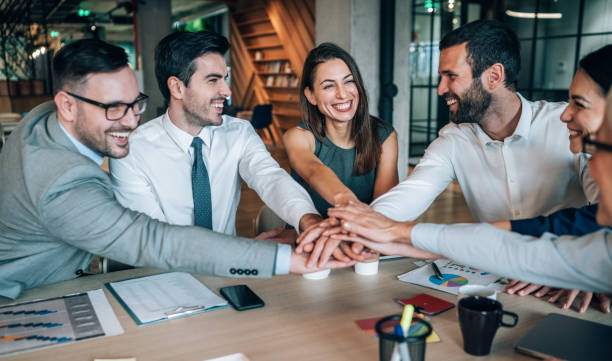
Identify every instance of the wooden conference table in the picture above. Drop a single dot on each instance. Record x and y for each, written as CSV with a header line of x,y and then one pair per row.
x,y
302,320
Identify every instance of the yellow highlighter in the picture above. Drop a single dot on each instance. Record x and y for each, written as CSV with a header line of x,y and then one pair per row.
x,y
407,318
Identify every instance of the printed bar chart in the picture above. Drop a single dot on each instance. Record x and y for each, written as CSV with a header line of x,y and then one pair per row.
x,y
39,324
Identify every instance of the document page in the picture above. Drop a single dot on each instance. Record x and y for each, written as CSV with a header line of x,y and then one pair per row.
x,y
454,275
163,296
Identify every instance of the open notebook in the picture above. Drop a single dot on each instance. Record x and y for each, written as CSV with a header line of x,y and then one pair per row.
x,y
164,296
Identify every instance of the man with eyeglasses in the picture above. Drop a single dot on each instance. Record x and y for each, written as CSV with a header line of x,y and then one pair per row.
x,y
57,206
583,263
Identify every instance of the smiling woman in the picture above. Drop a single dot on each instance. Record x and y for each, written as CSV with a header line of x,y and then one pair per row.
x,y
339,152
584,113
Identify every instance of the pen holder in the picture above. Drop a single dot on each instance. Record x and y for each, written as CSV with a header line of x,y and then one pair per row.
x,y
414,342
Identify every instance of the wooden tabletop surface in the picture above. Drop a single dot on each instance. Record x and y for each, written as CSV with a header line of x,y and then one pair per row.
x,y
302,320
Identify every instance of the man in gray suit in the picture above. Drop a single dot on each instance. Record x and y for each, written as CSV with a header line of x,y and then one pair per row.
x,y
57,206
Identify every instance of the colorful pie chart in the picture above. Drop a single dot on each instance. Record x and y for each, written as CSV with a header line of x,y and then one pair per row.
x,y
449,280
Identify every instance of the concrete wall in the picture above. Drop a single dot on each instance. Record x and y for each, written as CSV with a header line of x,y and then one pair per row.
x,y
401,70
355,26
333,22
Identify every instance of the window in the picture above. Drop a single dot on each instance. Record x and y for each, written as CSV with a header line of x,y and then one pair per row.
x,y
552,44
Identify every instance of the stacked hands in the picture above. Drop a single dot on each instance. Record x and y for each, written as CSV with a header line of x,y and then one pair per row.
x,y
354,233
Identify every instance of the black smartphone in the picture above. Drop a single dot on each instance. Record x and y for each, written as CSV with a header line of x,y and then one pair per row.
x,y
241,297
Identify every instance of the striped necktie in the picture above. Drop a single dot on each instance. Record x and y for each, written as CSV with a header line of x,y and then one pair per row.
x,y
200,187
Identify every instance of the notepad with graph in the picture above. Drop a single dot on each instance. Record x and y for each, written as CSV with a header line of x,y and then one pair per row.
x,y
454,275
35,325
164,296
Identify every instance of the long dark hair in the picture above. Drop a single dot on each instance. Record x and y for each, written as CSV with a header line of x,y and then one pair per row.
x,y
363,126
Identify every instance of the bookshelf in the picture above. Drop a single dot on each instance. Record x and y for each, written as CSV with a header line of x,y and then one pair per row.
x,y
272,65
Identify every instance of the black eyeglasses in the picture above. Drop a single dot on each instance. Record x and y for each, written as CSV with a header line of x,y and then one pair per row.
x,y
116,111
590,146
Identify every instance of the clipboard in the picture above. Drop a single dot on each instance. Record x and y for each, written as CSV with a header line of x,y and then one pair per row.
x,y
165,296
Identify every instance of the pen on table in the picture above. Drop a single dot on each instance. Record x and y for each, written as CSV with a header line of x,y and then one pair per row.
x,y
402,346
437,271
182,311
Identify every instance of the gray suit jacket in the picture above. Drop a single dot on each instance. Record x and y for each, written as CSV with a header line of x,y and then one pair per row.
x,y
57,208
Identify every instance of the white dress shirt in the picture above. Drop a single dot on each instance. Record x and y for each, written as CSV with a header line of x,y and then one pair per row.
x,y
155,178
528,174
583,263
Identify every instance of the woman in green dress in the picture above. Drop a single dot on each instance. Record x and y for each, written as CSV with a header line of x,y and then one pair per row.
x,y
339,152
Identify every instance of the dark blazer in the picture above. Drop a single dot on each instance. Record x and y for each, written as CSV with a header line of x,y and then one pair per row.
x,y
57,209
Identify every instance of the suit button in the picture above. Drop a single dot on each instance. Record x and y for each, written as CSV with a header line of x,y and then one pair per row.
x,y
240,271
255,272
247,272
233,271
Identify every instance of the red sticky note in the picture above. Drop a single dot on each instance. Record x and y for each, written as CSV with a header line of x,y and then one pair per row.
x,y
368,324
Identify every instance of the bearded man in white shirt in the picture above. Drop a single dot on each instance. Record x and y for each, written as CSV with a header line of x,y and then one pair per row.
x,y
509,155
156,177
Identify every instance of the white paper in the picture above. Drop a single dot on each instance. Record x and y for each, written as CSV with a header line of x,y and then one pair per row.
x,y
232,357
455,276
152,298
108,320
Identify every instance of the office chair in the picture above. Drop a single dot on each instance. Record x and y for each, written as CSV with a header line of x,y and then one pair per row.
x,y
267,220
262,118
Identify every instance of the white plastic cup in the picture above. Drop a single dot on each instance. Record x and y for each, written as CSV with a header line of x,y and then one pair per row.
x,y
476,290
367,267
317,275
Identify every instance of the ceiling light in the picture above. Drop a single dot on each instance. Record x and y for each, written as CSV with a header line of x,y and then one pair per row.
x,y
523,15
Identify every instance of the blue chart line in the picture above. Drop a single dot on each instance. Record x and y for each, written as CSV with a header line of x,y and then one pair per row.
x,y
32,324
15,338
46,338
32,312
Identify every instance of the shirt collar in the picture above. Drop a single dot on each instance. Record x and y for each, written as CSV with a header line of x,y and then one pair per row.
x,y
524,124
181,138
522,128
82,148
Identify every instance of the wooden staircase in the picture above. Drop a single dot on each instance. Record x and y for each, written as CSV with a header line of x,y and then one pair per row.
x,y
270,41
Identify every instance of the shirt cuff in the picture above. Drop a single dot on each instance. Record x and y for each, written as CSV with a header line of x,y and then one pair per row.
x,y
426,236
283,259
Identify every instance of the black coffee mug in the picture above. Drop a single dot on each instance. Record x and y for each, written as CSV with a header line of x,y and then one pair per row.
x,y
479,318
